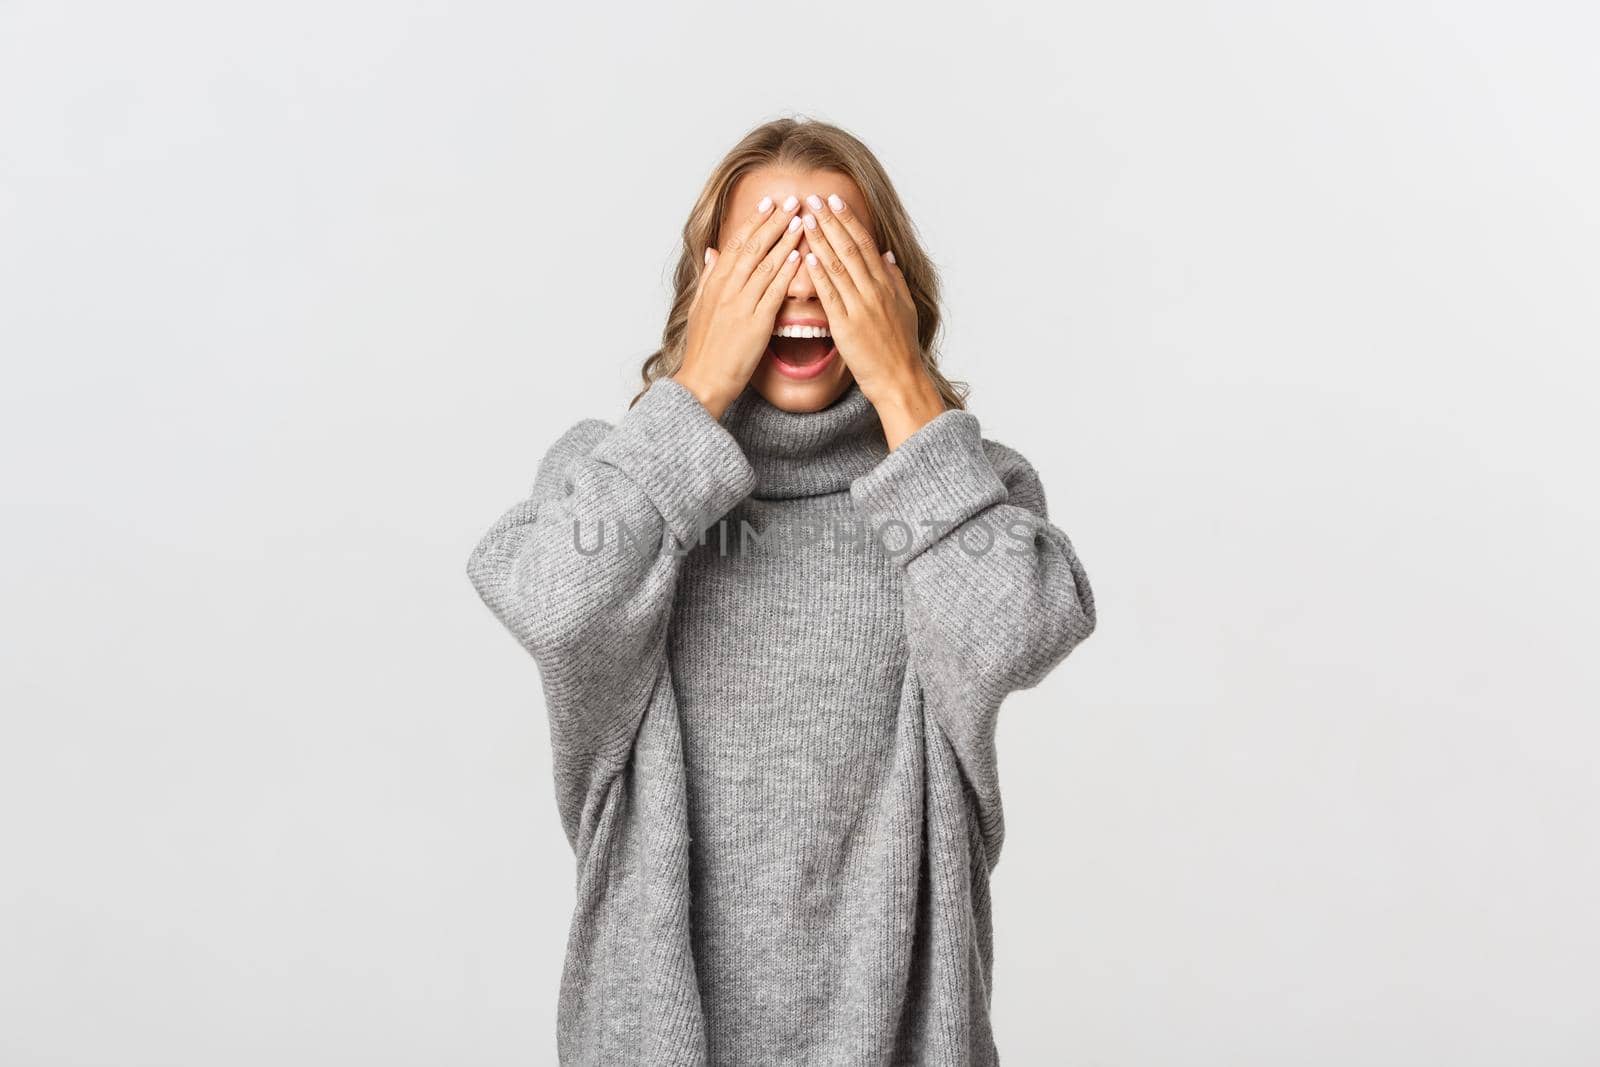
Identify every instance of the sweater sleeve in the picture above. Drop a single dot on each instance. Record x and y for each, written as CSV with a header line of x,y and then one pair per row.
x,y
995,596
582,573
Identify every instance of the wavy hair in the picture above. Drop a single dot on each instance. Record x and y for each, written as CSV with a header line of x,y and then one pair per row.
x,y
802,143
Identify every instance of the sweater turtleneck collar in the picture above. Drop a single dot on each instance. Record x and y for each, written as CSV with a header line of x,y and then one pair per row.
x,y
802,454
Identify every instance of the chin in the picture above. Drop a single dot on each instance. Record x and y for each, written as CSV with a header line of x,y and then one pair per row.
x,y
805,395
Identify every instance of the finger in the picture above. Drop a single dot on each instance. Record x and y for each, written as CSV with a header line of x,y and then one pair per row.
x,y
827,291
755,237
853,247
709,269
710,261
755,289
829,261
773,298
896,276
745,232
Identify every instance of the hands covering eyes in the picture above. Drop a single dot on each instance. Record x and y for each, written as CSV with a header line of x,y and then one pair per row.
x,y
870,310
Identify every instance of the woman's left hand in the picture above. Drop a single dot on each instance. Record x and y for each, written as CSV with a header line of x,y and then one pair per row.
x,y
871,316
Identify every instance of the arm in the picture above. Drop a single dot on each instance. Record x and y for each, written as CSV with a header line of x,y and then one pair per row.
x,y
595,621
995,596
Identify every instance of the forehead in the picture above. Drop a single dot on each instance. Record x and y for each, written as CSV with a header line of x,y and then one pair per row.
x,y
779,182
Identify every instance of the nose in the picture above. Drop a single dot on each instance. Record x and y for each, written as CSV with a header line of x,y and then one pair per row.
x,y
800,286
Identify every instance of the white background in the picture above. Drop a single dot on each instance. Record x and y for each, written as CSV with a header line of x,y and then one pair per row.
x,y
1292,305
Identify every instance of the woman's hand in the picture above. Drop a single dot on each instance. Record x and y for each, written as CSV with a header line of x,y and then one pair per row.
x,y
872,317
736,302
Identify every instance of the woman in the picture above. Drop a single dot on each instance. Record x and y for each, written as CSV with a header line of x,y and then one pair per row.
x,y
775,608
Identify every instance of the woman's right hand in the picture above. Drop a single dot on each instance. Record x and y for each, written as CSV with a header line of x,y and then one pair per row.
x,y
736,302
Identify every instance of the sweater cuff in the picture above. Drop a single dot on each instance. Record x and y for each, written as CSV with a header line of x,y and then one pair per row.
x,y
685,461
937,479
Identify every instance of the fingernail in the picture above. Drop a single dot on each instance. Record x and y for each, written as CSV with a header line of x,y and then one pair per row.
x,y
794,254
811,259
811,221
889,256
834,202
766,202
708,257
794,224
815,201
788,205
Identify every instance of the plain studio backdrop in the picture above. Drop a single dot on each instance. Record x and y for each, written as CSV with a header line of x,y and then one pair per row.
x,y
1292,306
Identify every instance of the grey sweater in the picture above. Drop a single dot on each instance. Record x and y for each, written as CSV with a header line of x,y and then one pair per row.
x,y
772,654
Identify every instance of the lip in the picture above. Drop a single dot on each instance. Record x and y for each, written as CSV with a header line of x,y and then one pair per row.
x,y
807,372
801,322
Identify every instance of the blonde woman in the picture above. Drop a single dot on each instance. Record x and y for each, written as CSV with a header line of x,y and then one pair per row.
x,y
775,608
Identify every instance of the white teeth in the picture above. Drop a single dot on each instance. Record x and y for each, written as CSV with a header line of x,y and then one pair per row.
x,y
801,331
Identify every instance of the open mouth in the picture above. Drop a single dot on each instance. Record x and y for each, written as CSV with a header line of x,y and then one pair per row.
x,y
802,351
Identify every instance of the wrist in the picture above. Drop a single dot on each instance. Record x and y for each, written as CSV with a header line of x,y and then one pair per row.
x,y
714,395
907,403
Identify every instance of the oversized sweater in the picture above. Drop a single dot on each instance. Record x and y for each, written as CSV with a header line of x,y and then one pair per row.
x,y
772,653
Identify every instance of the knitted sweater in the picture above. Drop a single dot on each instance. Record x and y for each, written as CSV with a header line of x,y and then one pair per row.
x,y
772,653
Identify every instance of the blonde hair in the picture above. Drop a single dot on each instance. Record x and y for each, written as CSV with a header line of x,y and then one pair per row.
x,y
804,144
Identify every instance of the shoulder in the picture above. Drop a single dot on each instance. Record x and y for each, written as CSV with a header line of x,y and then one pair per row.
x,y
572,444
578,439
1021,479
